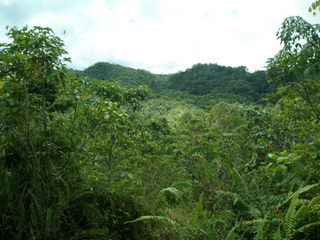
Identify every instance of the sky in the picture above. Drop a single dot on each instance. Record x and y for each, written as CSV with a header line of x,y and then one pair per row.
x,y
161,36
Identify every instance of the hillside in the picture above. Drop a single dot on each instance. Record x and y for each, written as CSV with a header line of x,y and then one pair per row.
x,y
205,81
128,77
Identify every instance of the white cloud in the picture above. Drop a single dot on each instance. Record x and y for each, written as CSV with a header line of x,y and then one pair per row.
x,y
161,35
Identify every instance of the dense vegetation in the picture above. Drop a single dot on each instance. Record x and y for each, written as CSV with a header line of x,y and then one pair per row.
x,y
205,82
203,79
128,77
83,158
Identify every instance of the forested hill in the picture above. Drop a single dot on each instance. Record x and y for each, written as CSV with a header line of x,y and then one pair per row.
x,y
235,83
128,77
203,79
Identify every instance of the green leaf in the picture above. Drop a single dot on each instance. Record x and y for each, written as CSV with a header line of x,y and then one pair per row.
x,y
1,84
48,218
278,176
280,159
273,156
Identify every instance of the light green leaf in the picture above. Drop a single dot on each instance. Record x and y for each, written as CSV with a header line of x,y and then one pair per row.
x,y
1,84
273,156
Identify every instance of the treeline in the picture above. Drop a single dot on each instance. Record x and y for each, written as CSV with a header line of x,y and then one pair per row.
x,y
206,81
213,79
126,76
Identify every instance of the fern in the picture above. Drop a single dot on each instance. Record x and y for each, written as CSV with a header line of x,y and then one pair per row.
x,y
260,223
277,234
172,191
231,232
198,214
260,228
304,228
299,191
290,217
300,213
314,202
294,215
287,226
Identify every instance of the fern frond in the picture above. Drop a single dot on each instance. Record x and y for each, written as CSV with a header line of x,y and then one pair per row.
x,y
153,218
231,232
299,191
177,194
293,215
302,210
304,228
260,225
290,217
314,201
82,195
198,214
277,234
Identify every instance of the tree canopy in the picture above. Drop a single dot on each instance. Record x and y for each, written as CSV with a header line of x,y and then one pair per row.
x,y
296,66
203,79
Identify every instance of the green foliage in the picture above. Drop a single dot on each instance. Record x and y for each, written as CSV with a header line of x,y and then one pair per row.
x,y
32,70
55,131
126,76
213,79
82,158
202,82
296,66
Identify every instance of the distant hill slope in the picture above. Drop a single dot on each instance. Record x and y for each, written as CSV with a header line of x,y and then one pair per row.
x,y
205,81
127,76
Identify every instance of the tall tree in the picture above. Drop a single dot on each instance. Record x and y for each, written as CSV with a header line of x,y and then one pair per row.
x,y
296,65
32,69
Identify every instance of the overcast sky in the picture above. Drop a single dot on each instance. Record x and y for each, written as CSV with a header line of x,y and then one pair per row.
x,y
161,36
